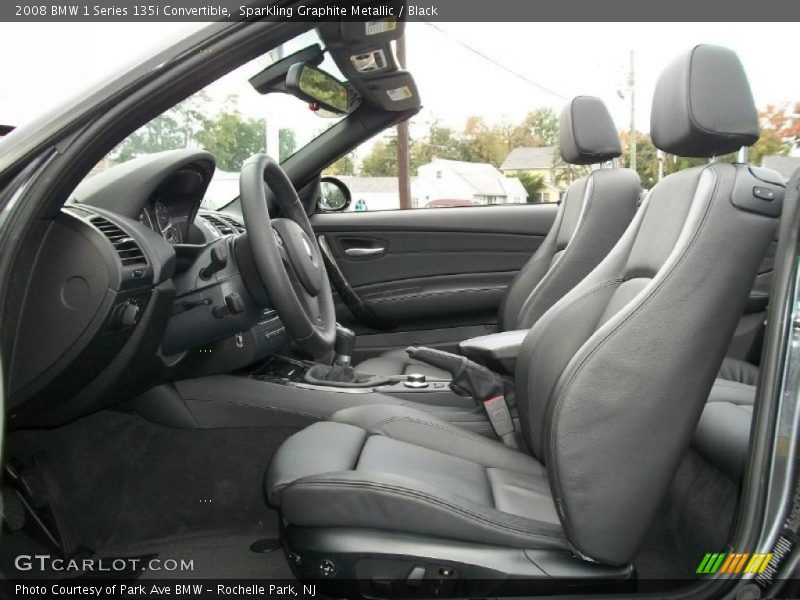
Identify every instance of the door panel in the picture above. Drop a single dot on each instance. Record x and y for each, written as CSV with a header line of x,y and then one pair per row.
x,y
433,276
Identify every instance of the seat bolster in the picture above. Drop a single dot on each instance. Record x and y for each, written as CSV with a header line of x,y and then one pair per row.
x,y
725,390
319,448
426,430
722,436
376,500
734,369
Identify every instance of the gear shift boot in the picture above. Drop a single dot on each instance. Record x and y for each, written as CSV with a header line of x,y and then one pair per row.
x,y
340,376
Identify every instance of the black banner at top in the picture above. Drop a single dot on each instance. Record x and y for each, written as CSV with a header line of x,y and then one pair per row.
x,y
412,10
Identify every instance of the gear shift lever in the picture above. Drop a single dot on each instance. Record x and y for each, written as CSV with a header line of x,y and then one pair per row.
x,y
341,373
343,347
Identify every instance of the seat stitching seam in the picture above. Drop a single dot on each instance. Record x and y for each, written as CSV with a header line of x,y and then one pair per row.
x,y
380,424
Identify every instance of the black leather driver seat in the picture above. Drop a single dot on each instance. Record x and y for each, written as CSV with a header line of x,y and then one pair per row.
x,y
591,218
610,384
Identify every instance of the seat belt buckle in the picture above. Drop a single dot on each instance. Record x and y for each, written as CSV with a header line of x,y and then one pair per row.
x,y
499,415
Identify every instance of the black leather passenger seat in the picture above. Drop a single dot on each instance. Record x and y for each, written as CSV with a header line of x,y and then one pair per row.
x,y
722,436
594,213
610,384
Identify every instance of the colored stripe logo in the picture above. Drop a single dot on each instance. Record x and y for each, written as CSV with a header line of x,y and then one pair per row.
x,y
734,563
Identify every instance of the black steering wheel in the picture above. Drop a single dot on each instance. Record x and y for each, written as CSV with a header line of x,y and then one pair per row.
x,y
287,256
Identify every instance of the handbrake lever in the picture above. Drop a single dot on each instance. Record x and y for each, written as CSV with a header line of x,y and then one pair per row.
x,y
471,379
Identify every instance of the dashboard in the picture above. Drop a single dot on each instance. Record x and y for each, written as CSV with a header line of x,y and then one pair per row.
x,y
131,284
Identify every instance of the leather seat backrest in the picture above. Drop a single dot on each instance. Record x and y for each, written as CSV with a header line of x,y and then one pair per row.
x,y
612,379
594,213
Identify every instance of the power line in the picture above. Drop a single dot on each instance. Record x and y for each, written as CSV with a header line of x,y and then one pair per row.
x,y
495,62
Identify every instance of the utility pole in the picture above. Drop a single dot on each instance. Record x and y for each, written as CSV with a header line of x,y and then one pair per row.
x,y
632,89
403,175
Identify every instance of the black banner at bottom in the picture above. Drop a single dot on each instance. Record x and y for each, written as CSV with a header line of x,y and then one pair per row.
x,y
202,589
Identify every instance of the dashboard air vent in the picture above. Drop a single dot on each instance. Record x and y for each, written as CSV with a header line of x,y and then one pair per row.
x,y
224,224
127,249
236,225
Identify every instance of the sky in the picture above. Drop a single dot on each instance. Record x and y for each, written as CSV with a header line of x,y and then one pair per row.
x,y
454,80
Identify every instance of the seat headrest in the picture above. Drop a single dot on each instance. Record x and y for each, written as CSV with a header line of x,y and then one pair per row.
x,y
703,105
586,132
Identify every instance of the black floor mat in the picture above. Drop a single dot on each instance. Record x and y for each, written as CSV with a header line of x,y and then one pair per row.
x,y
133,487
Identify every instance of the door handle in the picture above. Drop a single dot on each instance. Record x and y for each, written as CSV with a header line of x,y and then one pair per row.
x,y
351,299
364,252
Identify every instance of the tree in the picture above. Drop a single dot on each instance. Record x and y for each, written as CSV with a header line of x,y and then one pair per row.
x,y
232,138
780,132
532,184
493,143
381,160
646,157
344,166
175,129
542,124
565,173
287,144
440,142
490,143
162,133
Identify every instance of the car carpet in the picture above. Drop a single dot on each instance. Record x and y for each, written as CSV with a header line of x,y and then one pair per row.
x,y
695,518
132,487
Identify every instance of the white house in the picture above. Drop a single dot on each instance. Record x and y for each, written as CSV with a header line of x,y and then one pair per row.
x,y
443,180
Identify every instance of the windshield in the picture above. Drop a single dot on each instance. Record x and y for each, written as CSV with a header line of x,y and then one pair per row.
x,y
232,121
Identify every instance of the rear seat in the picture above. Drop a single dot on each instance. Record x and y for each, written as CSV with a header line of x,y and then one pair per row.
x,y
723,433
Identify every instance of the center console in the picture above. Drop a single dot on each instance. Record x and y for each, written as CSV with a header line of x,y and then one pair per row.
x,y
285,391
291,372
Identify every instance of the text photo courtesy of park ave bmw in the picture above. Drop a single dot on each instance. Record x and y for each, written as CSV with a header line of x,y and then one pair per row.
x,y
399,299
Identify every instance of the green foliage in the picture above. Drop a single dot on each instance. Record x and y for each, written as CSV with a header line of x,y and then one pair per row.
x,y
172,130
232,138
227,134
646,158
162,133
382,159
344,166
543,125
477,142
441,142
532,184
287,144
770,143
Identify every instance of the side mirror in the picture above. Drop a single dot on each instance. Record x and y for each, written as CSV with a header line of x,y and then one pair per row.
x,y
317,87
333,195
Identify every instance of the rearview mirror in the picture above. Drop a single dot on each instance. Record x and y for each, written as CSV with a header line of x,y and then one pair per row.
x,y
317,87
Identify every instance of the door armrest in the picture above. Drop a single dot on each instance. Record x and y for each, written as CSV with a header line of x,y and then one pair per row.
x,y
497,351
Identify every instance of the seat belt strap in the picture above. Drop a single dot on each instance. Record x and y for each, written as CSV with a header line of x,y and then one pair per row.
x,y
500,417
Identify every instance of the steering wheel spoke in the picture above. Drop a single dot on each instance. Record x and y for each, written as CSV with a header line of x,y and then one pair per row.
x,y
287,257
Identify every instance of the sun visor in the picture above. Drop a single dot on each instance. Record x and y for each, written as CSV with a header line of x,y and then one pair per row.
x,y
394,91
